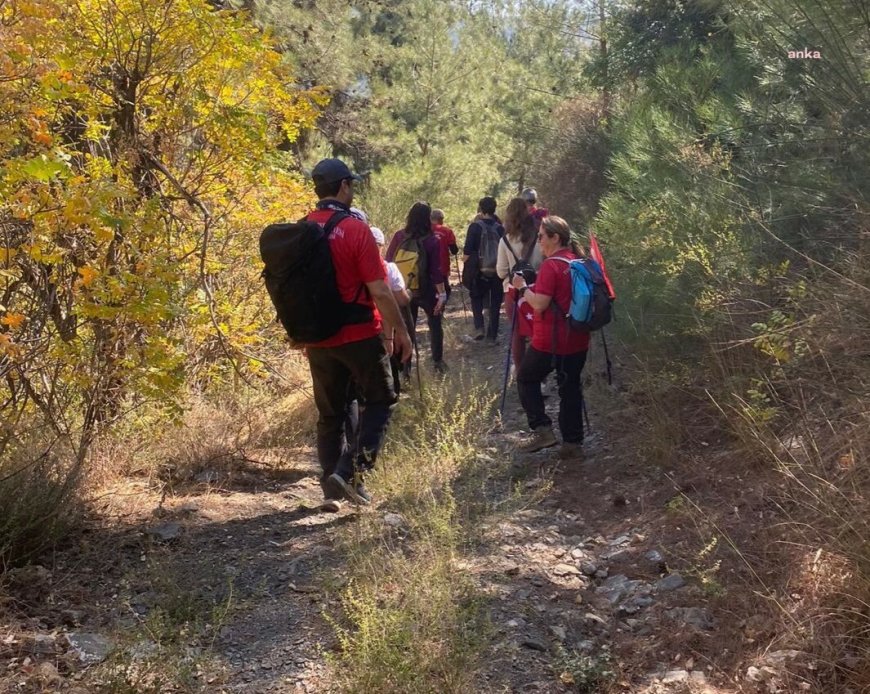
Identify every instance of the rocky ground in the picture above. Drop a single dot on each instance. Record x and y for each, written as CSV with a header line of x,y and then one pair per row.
x,y
600,580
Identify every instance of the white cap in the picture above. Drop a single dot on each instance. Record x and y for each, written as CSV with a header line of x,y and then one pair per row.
x,y
379,236
359,214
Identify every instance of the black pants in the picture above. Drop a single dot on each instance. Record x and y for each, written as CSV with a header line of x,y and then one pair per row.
x,y
534,369
436,329
488,292
333,370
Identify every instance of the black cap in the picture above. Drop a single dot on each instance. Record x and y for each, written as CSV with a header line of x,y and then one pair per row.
x,y
332,170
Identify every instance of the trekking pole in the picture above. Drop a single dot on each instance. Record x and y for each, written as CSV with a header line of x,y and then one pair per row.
x,y
461,294
507,364
607,360
585,414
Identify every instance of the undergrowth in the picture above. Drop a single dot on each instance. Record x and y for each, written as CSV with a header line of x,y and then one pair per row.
x,y
40,494
782,397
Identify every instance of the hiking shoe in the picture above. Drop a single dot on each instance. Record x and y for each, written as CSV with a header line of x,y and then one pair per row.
x,y
363,493
541,438
440,367
337,482
491,341
331,505
571,451
479,334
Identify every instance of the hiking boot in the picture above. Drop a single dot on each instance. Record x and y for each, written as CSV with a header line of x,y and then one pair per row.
x,y
571,451
479,334
363,493
542,437
440,367
337,484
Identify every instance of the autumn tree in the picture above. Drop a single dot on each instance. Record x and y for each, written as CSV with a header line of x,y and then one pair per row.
x,y
138,157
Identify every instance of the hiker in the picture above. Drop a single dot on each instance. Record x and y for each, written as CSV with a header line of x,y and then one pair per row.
x,y
356,354
518,251
403,299
447,239
554,344
530,195
416,251
480,257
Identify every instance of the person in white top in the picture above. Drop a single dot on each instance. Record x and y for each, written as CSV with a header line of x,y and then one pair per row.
x,y
518,246
396,283
394,277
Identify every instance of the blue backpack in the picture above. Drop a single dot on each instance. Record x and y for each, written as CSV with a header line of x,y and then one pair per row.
x,y
591,306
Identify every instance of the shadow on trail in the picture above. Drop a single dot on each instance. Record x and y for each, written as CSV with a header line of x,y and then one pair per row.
x,y
241,576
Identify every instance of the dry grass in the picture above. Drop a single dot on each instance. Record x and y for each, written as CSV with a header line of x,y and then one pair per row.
x,y
411,619
793,386
215,433
40,494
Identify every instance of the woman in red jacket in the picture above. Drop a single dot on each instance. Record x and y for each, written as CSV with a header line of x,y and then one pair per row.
x,y
554,344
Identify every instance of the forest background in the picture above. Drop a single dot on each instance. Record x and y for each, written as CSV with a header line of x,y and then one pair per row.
x,y
143,146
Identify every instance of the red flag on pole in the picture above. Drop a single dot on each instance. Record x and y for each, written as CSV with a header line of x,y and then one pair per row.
x,y
595,252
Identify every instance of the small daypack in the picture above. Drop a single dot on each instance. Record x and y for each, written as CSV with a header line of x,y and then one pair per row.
x,y
522,266
413,262
488,253
591,306
301,281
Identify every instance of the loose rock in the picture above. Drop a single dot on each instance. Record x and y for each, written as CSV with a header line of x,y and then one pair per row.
x,y
589,568
695,616
673,676
559,632
669,583
535,644
566,570
90,648
165,532
654,556
394,520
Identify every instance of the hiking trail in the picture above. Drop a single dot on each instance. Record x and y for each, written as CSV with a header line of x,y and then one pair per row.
x,y
587,581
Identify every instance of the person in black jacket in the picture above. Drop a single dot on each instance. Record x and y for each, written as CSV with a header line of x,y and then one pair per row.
x,y
479,252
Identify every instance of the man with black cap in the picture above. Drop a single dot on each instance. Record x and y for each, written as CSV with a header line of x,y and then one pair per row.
x,y
357,356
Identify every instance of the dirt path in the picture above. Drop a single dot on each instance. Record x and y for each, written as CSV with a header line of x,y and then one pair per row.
x,y
223,587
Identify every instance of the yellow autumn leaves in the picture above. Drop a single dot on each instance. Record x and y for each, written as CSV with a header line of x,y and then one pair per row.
x,y
124,123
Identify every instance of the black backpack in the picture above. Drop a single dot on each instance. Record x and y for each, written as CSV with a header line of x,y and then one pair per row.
x,y
489,240
300,279
522,266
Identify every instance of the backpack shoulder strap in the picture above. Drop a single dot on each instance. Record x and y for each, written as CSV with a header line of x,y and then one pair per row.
x,y
337,218
527,256
555,306
510,248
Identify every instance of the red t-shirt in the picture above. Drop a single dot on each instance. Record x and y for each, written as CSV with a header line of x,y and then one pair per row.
x,y
446,238
357,261
538,214
554,281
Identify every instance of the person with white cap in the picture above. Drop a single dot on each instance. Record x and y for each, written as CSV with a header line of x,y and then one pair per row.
x,y
530,195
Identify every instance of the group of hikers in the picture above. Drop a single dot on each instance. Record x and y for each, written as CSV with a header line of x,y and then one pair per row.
x,y
362,350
